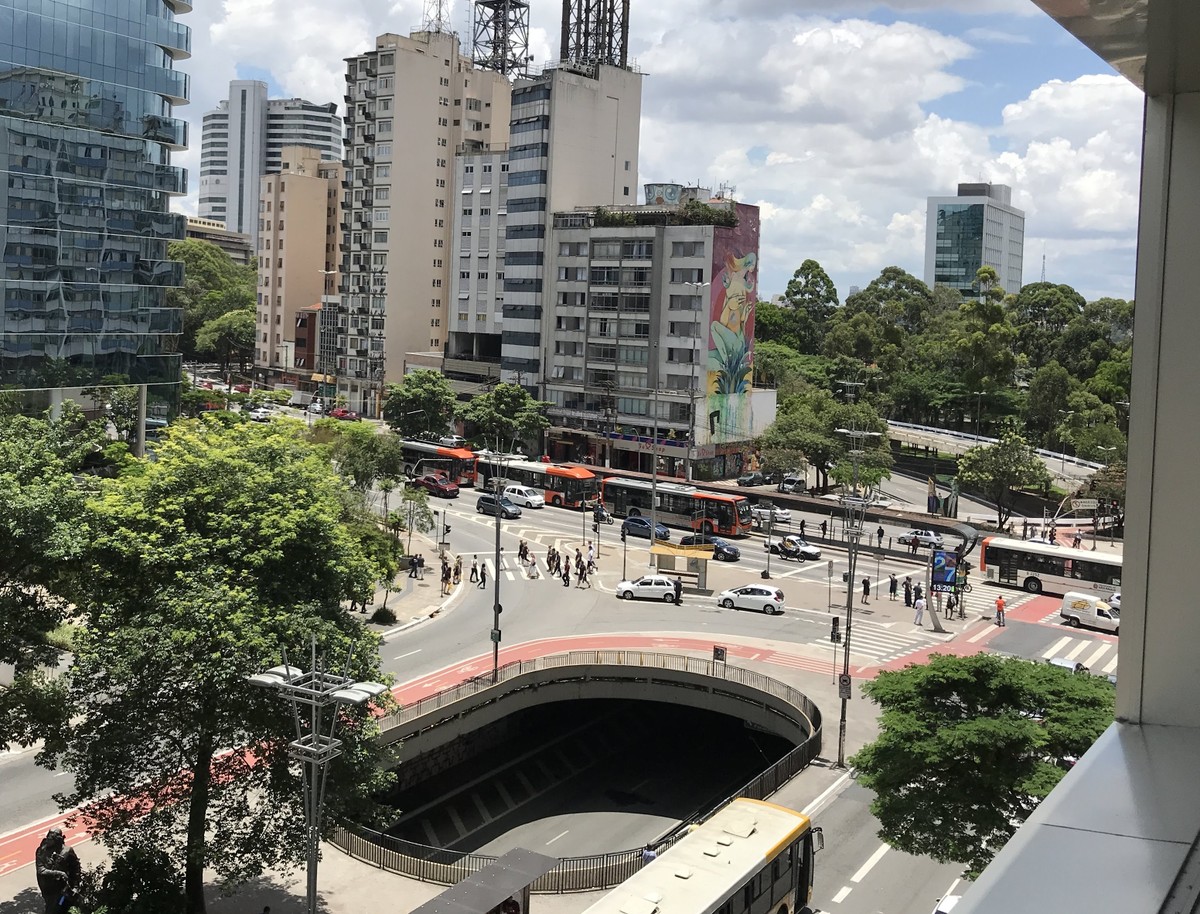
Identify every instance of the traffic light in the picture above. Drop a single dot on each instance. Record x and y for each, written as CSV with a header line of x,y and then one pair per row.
x,y
445,529
835,634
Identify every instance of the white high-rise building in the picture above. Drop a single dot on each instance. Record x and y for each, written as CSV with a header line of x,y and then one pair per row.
x,y
977,227
243,139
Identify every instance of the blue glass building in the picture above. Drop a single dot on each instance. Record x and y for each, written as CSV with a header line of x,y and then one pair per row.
x,y
87,90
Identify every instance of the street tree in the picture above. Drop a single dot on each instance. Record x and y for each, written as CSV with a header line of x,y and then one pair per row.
x,y
213,285
229,337
423,405
805,432
998,470
1049,390
506,415
200,566
968,747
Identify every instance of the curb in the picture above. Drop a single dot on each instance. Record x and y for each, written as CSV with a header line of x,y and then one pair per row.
x,y
417,620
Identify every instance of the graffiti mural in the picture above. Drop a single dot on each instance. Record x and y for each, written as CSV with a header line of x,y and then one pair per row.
x,y
731,327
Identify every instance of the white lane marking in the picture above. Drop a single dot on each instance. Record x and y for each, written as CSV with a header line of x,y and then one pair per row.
x,y
1078,649
1056,647
1111,665
1092,658
820,802
841,894
409,654
556,837
871,861
980,635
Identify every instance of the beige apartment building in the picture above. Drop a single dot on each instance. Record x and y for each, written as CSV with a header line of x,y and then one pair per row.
x,y
412,104
298,256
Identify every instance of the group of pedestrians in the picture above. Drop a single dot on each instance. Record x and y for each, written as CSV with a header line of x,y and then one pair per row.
x,y
451,574
416,567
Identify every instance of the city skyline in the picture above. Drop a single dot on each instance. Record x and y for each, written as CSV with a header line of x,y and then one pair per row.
x,y
837,127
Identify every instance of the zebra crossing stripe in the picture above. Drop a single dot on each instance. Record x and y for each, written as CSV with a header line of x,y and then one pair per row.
x,y
1111,665
1077,650
1099,652
1057,646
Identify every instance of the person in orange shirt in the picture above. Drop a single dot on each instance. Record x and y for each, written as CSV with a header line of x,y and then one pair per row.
x,y
1000,611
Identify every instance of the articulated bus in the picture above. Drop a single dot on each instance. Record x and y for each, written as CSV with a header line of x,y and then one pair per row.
x,y
1042,568
679,505
429,457
751,857
564,486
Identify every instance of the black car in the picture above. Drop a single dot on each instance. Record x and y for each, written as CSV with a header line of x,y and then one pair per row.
x,y
756,479
723,550
640,526
487,505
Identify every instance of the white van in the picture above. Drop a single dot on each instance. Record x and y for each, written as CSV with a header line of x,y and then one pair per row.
x,y
1086,609
525,496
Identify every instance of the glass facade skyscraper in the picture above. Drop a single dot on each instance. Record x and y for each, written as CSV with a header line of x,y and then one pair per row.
x,y
87,90
977,227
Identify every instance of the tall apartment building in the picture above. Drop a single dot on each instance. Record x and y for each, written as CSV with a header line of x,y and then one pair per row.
x,y
653,315
243,138
978,227
299,253
476,300
87,127
413,103
573,141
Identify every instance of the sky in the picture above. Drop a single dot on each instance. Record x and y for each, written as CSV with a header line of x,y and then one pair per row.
x,y
837,117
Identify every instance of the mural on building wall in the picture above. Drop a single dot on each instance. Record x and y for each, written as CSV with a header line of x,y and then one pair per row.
x,y
734,275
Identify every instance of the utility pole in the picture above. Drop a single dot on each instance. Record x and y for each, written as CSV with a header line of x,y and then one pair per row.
x,y
496,607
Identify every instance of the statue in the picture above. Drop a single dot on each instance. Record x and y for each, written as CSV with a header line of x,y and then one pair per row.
x,y
58,872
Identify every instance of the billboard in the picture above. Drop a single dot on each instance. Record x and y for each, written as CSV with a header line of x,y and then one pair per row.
x,y
945,572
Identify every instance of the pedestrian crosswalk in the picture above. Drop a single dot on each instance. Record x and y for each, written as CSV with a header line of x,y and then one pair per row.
x,y
1097,655
882,644
984,593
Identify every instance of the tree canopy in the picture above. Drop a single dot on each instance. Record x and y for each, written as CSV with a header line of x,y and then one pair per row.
x,y
423,405
968,747
505,415
999,470
213,285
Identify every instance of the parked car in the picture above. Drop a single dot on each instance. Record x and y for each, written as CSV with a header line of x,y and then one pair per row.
x,y
1114,600
242,388
758,597
778,515
921,538
640,527
792,483
452,441
487,505
436,484
316,408
525,496
755,479
650,587
260,414
348,415
723,550
792,547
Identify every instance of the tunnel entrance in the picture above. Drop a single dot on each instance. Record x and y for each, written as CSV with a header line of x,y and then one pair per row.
x,y
580,777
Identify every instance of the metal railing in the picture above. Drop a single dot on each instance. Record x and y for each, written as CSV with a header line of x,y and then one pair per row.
x,y
983,439
598,871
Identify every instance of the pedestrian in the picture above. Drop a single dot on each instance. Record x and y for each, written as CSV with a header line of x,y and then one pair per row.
x,y
420,566
583,579
866,585
908,591
483,576
937,601
501,565
919,607
648,854
951,605
1025,528
1077,541
566,576
824,527
474,568
802,528
1000,611
412,566
445,578
458,569
591,555
912,547
879,533
918,591
678,585
893,583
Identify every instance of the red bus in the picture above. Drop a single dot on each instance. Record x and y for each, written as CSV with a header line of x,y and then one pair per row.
x,y
679,505
428,457
562,485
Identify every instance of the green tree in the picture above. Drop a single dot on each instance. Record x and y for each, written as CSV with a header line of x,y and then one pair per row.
x,y
506,414
200,566
896,297
999,470
229,336
968,747
1040,313
212,285
1049,390
422,406
813,299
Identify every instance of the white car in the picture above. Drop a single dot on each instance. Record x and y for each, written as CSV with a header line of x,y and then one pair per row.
x,y
758,597
1114,600
776,514
650,587
260,414
525,496
921,538
315,407
452,441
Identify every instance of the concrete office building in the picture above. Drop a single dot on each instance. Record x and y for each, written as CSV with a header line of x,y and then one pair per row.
x,y
243,138
86,183
413,103
978,227
476,300
650,318
298,255
235,244
573,142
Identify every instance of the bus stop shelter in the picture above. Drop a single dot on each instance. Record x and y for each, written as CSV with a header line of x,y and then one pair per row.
x,y
684,561
501,887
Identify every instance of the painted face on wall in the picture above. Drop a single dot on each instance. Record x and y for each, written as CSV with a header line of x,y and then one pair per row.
x,y
738,279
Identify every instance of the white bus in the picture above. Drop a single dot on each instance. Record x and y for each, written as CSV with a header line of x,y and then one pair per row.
x,y
1042,568
751,857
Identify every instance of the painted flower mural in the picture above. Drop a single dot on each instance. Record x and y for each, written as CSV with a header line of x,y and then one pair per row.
x,y
731,330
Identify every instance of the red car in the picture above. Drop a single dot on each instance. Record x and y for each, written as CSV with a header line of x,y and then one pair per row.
x,y
346,415
437,485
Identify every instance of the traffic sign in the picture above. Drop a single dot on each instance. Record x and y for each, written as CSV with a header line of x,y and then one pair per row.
x,y
718,653
1085,504
845,686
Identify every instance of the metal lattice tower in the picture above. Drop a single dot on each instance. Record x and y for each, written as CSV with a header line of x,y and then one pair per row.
x,y
595,32
500,36
436,16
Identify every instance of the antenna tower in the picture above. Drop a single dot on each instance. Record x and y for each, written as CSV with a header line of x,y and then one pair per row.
x,y
436,16
500,36
595,32
1043,266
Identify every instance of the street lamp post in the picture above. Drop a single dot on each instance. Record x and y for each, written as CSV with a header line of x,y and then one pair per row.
x,y
1095,514
318,690
496,607
1067,414
978,400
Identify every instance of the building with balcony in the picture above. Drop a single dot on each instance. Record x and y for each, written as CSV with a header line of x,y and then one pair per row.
x,y
244,138
979,227
87,185
298,256
413,104
650,330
